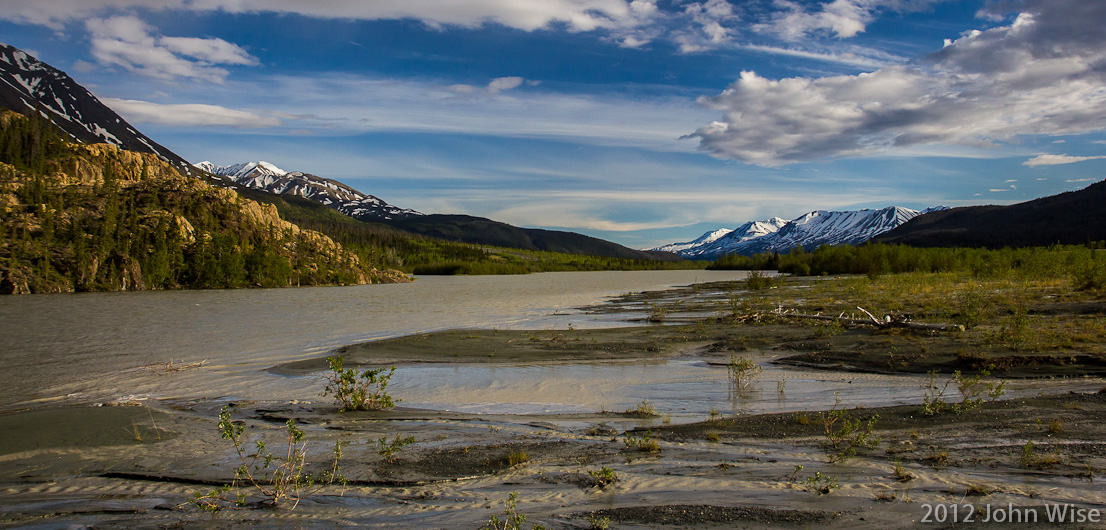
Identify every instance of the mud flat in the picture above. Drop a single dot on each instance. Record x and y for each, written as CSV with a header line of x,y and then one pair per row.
x,y
138,463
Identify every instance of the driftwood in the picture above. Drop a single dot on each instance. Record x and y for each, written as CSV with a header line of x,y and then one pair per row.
x,y
889,321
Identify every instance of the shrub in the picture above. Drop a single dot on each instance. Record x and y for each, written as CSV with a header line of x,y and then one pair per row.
x,y
821,484
645,443
388,449
358,391
518,458
973,390
758,281
845,434
742,370
512,520
603,476
643,410
277,477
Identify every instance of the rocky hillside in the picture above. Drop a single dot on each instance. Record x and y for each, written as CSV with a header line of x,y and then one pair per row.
x,y
96,217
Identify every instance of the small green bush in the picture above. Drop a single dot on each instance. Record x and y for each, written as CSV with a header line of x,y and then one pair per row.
x,y
278,477
358,391
388,449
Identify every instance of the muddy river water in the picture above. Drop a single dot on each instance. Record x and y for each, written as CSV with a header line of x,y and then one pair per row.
x,y
99,347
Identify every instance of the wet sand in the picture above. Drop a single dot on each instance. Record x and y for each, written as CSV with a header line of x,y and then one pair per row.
x,y
138,463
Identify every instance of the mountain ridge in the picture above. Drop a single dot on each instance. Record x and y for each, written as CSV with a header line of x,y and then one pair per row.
x,y
1073,217
810,230
268,177
28,85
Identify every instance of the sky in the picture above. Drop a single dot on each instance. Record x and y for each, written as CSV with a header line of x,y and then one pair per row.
x,y
639,121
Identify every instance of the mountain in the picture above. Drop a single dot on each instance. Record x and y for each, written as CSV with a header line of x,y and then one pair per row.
x,y
1074,217
718,242
265,176
460,228
481,231
810,231
27,84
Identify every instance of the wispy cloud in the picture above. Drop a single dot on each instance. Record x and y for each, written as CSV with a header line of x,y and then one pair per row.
x,y
188,114
1056,160
322,103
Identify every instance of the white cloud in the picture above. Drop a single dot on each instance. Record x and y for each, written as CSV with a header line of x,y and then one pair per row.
x,y
188,114
1037,76
1079,180
214,51
501,84
842,18
128,42
1056,160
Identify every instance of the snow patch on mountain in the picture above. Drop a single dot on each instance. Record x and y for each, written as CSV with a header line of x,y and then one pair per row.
x,y
265,176
809,231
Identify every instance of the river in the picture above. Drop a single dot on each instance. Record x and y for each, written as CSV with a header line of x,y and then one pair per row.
x,y
93,346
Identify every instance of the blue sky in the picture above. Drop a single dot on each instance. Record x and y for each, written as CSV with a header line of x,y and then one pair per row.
x,y
643,122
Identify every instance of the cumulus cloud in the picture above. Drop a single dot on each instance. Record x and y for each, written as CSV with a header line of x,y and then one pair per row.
x,y
1045,73
188,114
1056,160
128,42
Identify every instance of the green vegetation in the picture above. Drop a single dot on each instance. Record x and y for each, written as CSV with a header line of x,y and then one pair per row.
x,y
598,522
742,371
1085,266
279,478
820,484
644,443
645,409
388,449
845,434
1030,458
366,390
512,520
603,476
973,390
96,218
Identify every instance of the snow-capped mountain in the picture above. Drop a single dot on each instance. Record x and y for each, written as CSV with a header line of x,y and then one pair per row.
x,y
265,176
27,84
717,242
809,231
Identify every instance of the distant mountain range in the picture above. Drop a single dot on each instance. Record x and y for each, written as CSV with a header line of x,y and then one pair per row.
x,y
265,176
1071,218
809,231
27,84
